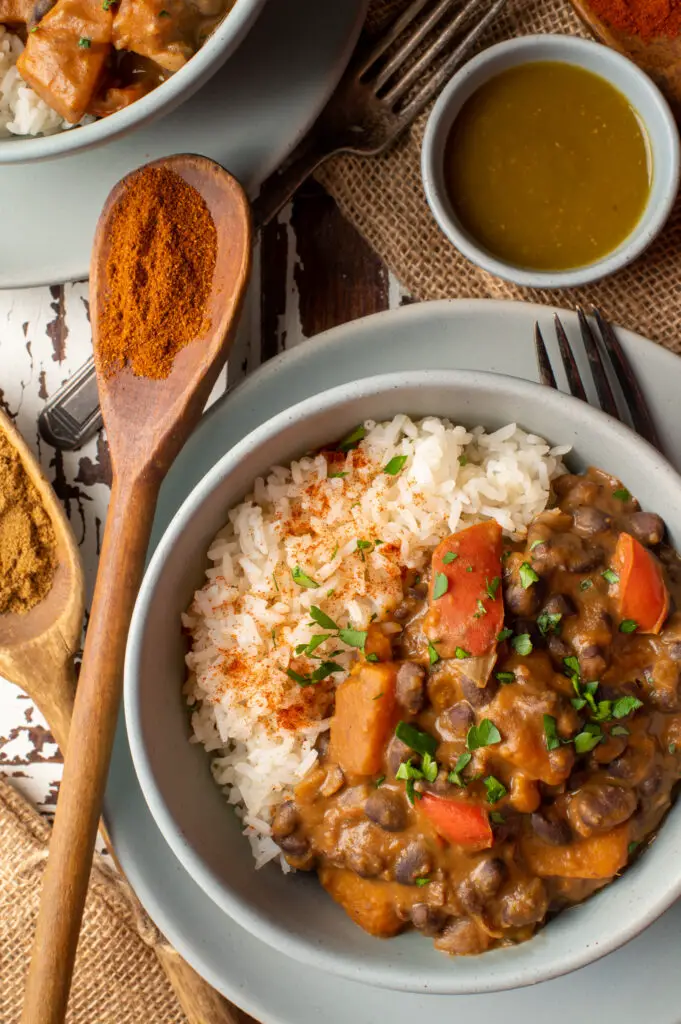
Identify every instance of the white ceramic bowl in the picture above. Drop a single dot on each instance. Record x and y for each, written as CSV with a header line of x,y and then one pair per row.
x,y
643,95
174,91
293,913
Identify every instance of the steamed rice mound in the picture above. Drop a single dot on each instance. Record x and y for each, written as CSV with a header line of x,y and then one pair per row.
x,y
332,532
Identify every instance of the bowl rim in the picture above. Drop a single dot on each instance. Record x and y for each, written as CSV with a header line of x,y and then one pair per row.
x,y
230,901
171,93
653,216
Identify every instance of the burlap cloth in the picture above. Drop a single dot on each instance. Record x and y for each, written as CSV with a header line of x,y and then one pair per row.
x,y
118,978
383,197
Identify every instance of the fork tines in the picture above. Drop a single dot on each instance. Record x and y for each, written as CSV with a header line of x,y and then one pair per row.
x,y
393,79
597,345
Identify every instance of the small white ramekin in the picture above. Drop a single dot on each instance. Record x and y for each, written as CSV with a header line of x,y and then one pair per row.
x,y
643,95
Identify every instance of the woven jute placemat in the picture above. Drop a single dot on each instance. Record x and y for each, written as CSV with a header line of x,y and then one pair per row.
x,y
118,978
383,197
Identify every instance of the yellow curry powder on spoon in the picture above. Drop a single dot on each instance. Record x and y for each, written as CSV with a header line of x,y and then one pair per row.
x,y
27,542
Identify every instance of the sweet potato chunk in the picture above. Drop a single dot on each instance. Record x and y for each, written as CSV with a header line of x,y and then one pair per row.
x,y
599,856
65,57
158,29
16,12
363,718
368,903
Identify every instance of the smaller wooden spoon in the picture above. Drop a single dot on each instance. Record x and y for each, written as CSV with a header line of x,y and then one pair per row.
x,y
147,422
37,648
660,58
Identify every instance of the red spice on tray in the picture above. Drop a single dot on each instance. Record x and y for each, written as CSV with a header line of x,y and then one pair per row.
x,y
648,19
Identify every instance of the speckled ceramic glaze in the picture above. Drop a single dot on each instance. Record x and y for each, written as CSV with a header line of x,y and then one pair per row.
x,y
643,95
293,914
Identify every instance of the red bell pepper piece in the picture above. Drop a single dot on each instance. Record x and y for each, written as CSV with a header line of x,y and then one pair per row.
x,y
460,822
642,595
469,612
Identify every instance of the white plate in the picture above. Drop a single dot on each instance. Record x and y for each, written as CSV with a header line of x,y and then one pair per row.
x,y
247,117
640,981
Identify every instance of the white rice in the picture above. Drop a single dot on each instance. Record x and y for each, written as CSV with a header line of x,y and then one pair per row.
x,y
22,112
260,725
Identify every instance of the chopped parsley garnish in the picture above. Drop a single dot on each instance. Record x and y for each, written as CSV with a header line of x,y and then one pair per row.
x,y
353,637
481,610
84,43
299,577
321,618
372,657
535,544
484,735
407,772
625,705
495,789
469,568
622,494
496,817
572,665
378,696
550,734
424,880
522,644
353,439
337,476
164,14
429,767
491,587
396,465
527,575
463,460
416,739
455,775
589,738
314,642
362,546
586,584
619,730
440,586
326,668
450,557
433,656
108,4
505,677
504,635
548,622
611,576
460,653
379,781
273,634
671,748
628,626
633,846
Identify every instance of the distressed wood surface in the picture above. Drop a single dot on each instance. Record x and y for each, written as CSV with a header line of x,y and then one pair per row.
x,y
311,272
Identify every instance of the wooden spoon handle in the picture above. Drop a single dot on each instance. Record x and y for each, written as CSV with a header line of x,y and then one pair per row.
x,y
86,765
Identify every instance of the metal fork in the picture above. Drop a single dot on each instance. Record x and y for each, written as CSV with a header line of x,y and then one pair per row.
x,y
602,349
386,86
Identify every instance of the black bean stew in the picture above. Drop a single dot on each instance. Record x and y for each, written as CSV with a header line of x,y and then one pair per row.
x,y
511,737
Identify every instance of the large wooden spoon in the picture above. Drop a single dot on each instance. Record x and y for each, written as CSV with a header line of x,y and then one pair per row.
x,y
147,422
659,57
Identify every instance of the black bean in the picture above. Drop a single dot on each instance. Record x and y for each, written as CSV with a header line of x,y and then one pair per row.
x,y
364,862
525,904
585,560
296,844
479,696
460,717
413,862
462,937
427,919
674,650
600,808
488,876
521,601
409,686
589,520
558,649
41,8
322,744
560,604
646,527
624,767
556,832
397,753
285,821
592,662
388,809
652,783
469,898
